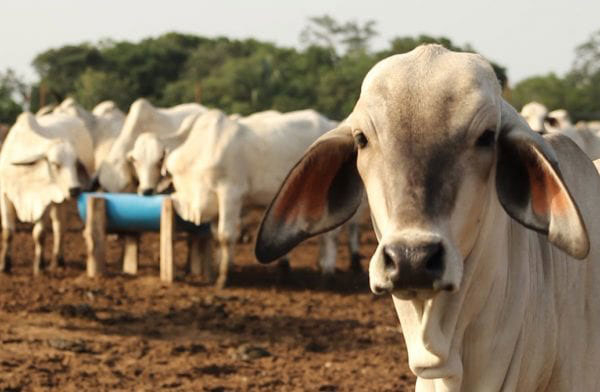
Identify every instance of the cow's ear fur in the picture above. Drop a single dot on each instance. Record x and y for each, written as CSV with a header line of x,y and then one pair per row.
x,y
531,189
320,193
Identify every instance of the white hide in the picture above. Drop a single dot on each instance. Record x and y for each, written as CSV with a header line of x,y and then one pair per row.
x,y
249,158
115,173
559,121
104,124
31,147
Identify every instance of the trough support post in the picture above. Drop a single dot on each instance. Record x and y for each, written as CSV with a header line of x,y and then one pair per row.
x,y
95,236
130,254
167,223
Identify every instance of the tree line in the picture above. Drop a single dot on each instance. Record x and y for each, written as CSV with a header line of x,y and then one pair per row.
x,y
246,76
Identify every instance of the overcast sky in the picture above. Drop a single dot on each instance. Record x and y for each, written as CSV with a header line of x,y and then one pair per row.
x,y
528,36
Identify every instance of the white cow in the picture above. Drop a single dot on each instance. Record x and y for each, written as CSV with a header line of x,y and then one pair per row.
x,y
150,151
41,164
226,165
479,221
558,121
103,124
115,174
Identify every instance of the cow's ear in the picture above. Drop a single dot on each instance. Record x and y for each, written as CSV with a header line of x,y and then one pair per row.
x,y
28,158
531,188
320,193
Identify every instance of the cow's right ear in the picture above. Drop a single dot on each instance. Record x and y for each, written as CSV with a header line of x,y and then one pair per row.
x,y
28,159
320,193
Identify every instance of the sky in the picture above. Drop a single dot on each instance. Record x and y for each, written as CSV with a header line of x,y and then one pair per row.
x,y
529,37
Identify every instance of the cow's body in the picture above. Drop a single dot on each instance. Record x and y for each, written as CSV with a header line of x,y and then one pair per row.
x,y
226,165
40,167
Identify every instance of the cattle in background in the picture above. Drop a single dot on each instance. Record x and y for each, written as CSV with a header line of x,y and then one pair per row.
x,y
115,173
559,121
479,221
225,165
103,124
43,162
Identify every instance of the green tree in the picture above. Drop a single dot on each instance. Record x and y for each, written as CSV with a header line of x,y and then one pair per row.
x,y
93,87
60,68
549,90
10,88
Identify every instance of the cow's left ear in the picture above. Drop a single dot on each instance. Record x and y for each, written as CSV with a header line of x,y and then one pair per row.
x,y
531,189
320,193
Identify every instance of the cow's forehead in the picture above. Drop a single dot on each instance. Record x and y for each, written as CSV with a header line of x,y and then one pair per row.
x,y
429,87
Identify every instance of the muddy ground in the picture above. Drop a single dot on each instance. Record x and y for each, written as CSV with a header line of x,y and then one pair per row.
x,y
65,332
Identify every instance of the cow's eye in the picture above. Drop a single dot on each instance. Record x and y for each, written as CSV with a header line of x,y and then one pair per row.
x,y
360,139
486,139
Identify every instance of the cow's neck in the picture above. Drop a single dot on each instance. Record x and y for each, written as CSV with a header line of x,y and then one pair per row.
x,y
447,335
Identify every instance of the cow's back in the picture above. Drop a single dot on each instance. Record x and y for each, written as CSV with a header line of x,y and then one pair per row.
x,y
275,145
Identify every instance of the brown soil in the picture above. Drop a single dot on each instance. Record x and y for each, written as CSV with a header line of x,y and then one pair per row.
x,y
63,331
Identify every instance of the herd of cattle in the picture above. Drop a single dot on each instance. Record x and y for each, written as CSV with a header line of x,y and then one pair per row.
x,y
486,222
217,165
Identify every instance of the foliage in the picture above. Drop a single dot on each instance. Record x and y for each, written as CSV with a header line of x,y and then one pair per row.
x,y
578,91
10,88
237,76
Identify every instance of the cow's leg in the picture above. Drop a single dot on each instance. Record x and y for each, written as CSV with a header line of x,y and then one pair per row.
x,y
328,252
354,246
38,240
7,212
58,217
230,207
200,254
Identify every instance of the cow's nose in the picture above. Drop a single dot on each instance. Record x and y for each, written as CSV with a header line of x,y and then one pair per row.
x,y
414,266
147,191
74,191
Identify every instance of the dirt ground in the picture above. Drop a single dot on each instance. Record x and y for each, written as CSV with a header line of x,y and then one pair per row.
x,y
65,332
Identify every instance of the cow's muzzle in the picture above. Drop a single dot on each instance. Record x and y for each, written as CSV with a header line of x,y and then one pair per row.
x,y
409,267
74,191
147,191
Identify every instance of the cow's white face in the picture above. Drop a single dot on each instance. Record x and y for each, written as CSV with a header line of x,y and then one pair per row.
x,y
147,159
116,175
426,146
535,114
64,167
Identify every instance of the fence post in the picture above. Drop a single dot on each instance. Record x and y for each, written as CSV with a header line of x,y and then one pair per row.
x,y
166,240
95,236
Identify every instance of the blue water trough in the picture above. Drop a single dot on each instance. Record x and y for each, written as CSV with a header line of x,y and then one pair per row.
x,y
132,213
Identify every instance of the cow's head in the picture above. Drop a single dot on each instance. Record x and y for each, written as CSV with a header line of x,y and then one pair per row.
x,y
435,146
64,169
147,160
535,114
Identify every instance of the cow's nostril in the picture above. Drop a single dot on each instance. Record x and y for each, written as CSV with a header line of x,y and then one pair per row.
x,y
435,260
388,258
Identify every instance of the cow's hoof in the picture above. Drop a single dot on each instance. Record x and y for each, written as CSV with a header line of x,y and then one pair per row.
x,y
355,265
221,283
56,262
6,267
327,281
